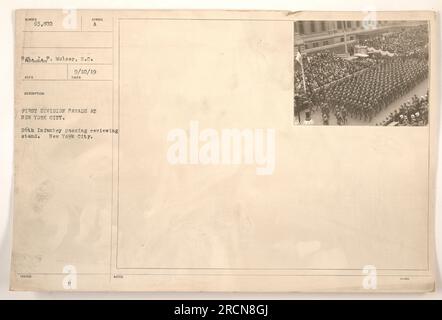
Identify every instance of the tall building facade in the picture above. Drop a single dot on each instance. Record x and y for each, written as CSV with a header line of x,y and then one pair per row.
x,y
339,36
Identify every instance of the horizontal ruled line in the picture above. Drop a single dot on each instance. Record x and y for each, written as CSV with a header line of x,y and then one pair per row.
x,y
77,80
67,47
228,274
68,63
31,31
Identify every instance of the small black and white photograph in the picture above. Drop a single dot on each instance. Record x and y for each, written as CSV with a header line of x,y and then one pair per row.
x,y
361,73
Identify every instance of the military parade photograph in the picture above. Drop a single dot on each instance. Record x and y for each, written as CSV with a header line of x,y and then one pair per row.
x,y
360,73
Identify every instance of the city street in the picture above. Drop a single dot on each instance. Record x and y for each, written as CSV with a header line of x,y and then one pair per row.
x,y
419,90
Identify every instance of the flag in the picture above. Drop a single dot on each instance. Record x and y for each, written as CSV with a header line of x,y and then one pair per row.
x,y
299,57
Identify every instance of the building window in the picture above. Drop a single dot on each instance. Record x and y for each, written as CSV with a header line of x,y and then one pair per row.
x,y
307,46
352,38
301,27
325,43
312,26
315,44
348,24
358,24
339,24
323,26
342,39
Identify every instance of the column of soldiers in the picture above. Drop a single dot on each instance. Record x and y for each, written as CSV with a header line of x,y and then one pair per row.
x,y
336,88
364,95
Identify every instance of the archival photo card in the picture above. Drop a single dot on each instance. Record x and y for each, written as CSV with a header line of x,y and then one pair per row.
x,y
247,151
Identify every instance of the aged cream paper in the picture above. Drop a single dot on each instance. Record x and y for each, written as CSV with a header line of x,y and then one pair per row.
x,y
125,181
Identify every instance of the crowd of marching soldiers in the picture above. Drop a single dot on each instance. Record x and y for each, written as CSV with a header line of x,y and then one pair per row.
x,y
411,113
336,88
366,94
